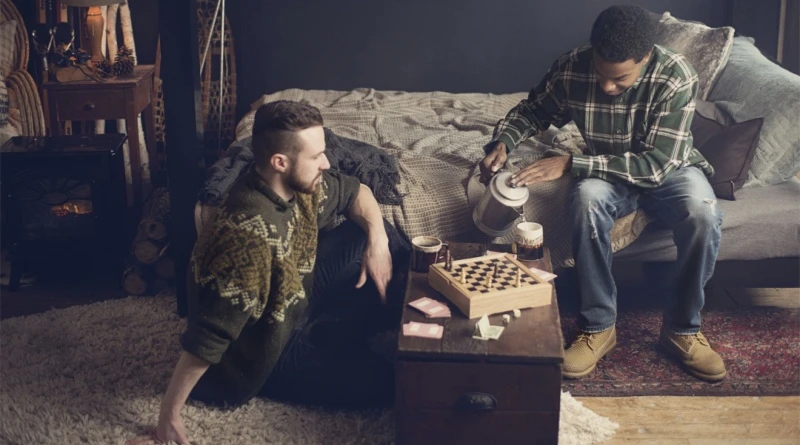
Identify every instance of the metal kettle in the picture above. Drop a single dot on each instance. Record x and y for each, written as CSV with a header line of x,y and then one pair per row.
x,y
499,206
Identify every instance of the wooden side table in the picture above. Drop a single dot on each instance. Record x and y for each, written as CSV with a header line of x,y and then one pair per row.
x,y
117,98
459,390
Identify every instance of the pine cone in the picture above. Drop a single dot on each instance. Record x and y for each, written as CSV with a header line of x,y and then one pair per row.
x,y
124,51
105,67
123,67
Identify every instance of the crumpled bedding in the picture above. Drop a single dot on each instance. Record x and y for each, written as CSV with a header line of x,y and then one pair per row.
x,y
437,139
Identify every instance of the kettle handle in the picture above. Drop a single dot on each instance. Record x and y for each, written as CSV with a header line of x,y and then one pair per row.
x,y
475,188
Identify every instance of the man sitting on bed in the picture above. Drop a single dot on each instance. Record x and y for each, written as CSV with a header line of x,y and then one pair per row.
x,y
265,325
633,102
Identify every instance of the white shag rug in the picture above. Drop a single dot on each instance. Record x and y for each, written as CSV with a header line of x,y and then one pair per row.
x,y
95,374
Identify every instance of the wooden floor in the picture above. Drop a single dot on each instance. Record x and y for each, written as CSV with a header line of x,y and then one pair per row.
x,y
700,420
708,420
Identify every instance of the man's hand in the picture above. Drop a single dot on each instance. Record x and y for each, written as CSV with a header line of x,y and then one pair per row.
x,y
543,170
493,161
377,263
169,429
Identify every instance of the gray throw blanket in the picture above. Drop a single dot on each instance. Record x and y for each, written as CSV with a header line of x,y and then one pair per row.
x,y
373,167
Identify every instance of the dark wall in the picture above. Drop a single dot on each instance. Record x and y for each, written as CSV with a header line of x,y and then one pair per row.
x,y
416,45
144,16
758,20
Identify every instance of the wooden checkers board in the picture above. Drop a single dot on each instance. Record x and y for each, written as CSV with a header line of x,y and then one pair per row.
x,y
475,299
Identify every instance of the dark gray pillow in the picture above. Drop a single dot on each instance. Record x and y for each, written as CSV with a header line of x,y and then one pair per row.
x,y
729,148
707,49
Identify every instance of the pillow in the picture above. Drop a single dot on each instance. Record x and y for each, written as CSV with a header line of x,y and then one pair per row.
x,y
707,49
7,49
729,149
751,86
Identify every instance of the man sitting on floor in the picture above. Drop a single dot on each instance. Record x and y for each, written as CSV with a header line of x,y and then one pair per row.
x,y
265,324
633,102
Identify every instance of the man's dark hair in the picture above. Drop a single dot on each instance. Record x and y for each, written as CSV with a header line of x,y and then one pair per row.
x,y
623,32
275,124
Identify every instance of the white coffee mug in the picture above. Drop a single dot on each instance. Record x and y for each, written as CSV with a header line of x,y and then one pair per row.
x,y
529,237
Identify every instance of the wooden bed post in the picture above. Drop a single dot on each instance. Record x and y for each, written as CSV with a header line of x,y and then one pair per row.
x,y
184,131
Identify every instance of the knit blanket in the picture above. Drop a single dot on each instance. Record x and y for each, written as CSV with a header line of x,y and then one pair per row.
x,y
437,140
372,166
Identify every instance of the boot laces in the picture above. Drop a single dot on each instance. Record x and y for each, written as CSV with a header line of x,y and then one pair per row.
x,y
586,337
700,338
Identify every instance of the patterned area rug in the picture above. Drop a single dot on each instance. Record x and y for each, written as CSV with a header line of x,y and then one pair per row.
x,y
760,347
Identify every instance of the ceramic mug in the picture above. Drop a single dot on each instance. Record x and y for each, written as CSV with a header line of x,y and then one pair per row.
x,y
529,237
427,250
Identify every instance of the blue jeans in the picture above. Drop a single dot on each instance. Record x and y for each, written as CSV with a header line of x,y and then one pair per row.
x,y
685,203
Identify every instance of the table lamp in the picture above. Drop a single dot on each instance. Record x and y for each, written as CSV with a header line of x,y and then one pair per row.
x,y
94,24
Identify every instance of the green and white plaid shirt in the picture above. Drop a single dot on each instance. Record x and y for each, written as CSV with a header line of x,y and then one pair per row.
x,y
638,137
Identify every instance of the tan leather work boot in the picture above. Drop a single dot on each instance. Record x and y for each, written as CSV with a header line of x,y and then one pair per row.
x,y
695,354
582,356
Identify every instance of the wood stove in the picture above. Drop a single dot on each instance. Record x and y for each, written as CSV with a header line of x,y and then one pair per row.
x,y
64,203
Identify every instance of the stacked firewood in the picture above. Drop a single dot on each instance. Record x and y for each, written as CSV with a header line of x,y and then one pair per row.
x,y
150,268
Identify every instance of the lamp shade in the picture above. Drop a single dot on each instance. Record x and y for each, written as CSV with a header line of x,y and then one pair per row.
x,y
86,3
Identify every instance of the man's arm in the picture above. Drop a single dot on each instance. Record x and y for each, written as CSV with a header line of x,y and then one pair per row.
x,y
366,213
185,376
344,195
665,147
377,262
545,104
226,304
170,425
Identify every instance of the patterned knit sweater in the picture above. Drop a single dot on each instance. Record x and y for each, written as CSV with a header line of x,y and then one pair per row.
x,y
251,271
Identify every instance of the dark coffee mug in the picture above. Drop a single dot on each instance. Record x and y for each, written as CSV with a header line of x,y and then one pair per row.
x,y
427,250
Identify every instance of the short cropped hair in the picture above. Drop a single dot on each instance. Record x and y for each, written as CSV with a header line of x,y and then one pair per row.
x,y
623,32
275,124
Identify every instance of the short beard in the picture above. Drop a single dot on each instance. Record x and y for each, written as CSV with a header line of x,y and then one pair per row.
x,y
299,187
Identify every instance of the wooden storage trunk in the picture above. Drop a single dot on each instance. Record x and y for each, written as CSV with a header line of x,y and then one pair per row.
x,y
459,390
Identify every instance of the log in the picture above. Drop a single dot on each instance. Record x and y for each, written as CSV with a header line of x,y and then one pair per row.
x,y
165,268
154,229
158,284
135,279
155,215
145,250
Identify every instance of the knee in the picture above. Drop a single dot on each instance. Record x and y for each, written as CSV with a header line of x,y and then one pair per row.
x,y
704,216
590,202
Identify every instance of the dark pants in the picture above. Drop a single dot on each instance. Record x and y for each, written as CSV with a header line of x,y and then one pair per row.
x,y
328,359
